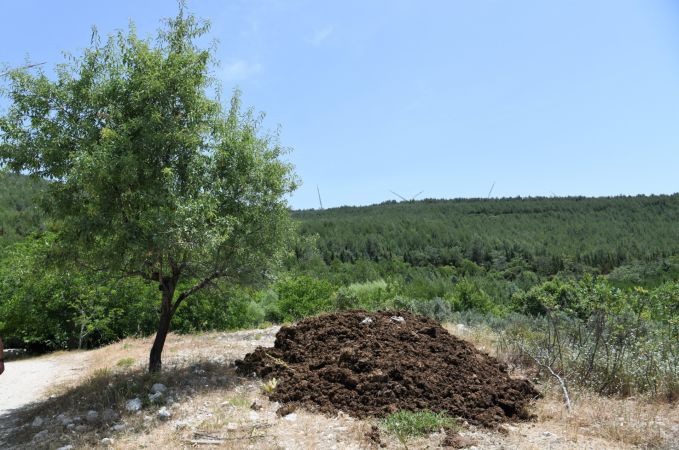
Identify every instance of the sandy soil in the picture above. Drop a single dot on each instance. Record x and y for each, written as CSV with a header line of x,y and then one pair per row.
x,y
29,380
25,381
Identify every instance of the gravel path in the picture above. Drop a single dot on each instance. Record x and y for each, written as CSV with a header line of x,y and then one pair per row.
x,y
28,380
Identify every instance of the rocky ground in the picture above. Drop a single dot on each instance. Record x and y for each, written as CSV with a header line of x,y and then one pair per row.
x,y
200,401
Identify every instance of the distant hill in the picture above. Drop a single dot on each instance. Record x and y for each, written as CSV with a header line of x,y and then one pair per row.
x,y
19,213
547,235
544,235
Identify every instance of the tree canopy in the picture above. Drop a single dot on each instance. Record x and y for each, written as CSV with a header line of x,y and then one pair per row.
x,y
151,176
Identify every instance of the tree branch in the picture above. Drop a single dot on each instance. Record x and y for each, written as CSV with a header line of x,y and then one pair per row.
x,y
197,287
561,381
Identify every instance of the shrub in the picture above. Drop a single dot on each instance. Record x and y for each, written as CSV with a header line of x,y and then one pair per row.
x,y
302,296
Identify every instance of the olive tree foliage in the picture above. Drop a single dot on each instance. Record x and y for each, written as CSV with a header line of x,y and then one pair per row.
x,y
150,175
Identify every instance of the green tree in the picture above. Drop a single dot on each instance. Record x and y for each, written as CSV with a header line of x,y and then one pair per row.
x,y
150,176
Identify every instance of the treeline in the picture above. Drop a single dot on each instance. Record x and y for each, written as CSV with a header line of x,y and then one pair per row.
x,y
433,256
543,235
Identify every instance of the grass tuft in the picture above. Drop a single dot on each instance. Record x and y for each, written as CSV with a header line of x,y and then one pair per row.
x,y
125,362
408,424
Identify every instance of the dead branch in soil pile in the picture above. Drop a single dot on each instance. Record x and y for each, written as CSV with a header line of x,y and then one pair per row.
x,y
373,364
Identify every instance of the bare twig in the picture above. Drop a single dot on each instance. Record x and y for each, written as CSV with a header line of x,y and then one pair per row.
x,y
561,381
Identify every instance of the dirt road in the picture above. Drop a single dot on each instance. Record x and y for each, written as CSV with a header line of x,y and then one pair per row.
x,y
28,380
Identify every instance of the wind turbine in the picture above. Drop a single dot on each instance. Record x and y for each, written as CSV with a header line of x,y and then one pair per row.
x,y
405,199
320,201
491,190
29,66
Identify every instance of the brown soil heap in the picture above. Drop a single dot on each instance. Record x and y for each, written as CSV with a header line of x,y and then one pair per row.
x,y
373,364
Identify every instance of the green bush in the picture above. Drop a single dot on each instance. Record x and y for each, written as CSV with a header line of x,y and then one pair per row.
x,y
598,336
301,296
46,307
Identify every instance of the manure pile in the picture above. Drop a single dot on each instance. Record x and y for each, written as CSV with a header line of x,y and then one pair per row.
x,y
375,363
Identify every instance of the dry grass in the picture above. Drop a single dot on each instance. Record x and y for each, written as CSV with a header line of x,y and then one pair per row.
x,y
595,421
213,404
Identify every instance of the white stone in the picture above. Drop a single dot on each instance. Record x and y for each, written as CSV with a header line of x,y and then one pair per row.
x,y
253,415
66,447
181,424
164,413
292,417
37,422
366,321
118,427
158,388
41,436
64,419
231,426
156,398
397,319
133,405
92,417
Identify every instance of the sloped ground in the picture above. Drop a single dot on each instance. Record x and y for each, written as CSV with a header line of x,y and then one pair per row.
x,y
373,364
213,406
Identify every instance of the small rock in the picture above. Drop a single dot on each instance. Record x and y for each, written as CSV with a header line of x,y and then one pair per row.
x,y
64,419
108,415
292,417
66,447
133,405
164,413
81,428
158,388
253,416
397,319
181,424
148,418
231,426
41,436
107,441
285,410
366,321
255,406
156,398
70,426
170,401
92,416
548,434
118,427
37,422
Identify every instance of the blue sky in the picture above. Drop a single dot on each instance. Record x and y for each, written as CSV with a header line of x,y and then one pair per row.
x,y
446,97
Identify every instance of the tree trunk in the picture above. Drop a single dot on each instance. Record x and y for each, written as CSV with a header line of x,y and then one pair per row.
x,y
155,362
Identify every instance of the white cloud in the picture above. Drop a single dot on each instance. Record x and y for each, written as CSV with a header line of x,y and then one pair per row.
x,y
240,70
321,36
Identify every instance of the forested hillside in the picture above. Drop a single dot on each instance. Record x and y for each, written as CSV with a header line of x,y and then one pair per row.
x,y
547,235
